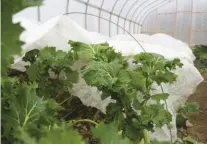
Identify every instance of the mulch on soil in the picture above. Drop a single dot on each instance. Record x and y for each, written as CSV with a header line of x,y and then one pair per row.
x,y
199,119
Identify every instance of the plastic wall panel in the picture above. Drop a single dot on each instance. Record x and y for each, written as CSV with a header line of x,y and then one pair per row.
x,y
187,19
128,9
92,22
122,7
184,5
183,34
80,19
199,22
183,21
121,23
131,28
135,29
170,7
104,25
183,27
147,5
113,26
165,26
127,25
119,5
176,18
200,5
150,24
199,38
135,7
95,2
150,10
127,6
108,5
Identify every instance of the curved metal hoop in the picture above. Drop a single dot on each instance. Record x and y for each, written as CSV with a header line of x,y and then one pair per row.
x,y
135,11
146,9
142,10
142,19
99,20
110,22
130,9
86,10
111,16
120,13
67,6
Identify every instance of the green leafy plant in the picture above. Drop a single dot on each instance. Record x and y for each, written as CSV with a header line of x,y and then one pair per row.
x,y
189,140
61,133
46,84
38,106
126,86
200,52
109,137
184,112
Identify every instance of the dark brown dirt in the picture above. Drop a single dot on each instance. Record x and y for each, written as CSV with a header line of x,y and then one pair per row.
x,y
199,119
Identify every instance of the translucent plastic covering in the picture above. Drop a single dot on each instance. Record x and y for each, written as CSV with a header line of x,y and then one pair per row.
x,y
129,14
185,20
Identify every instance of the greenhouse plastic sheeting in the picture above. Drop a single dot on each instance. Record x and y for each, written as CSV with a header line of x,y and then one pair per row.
x,y
57,31
183,19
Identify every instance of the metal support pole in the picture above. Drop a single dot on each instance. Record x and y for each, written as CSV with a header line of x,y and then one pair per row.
x,y
67,5
150,10
135,13
111,16
86,11
112,23
103,10
120,14
153,2
99,23
128,12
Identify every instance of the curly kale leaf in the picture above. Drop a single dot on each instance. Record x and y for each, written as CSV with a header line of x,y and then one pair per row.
x,y
62,133
24,106
108,134
52,70
101,73
156,114
97,52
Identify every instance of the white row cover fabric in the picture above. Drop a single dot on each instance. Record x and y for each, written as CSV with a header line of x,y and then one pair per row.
x,y
57,31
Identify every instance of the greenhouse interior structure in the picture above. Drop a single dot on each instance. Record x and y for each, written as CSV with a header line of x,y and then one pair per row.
x,y
104,72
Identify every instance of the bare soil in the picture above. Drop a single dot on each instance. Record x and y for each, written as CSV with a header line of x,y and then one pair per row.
x,y
199,119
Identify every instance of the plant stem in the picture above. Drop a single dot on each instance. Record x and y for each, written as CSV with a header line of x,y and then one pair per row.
x,y
146,137
168,111
86,120
65,100
142,141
